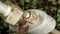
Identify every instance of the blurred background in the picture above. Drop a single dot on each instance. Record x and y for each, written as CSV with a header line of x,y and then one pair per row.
x,y
51,7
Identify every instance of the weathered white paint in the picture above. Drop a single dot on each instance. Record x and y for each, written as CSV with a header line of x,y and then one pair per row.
x,y
13,15
4,9
44,23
